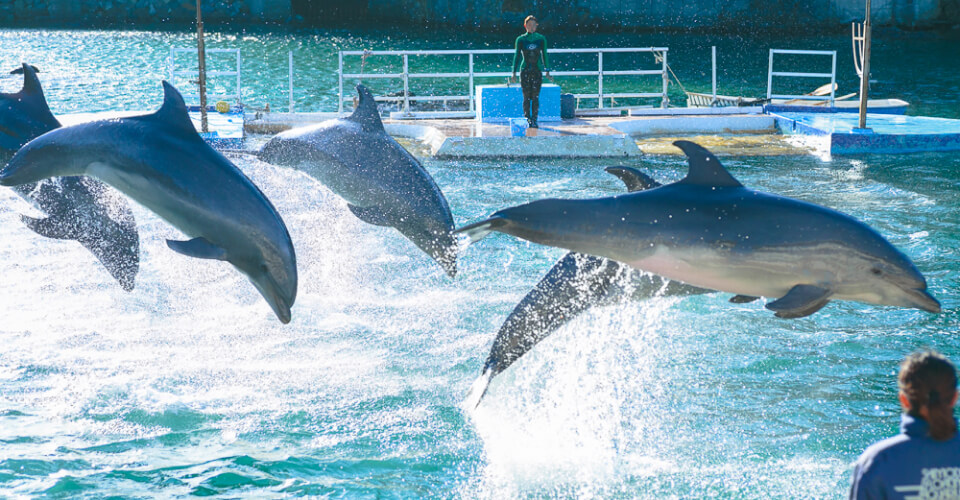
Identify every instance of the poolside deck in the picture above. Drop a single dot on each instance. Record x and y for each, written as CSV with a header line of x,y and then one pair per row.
x,y
581,137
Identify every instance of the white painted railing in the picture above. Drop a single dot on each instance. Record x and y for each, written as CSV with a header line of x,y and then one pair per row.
x,y
832,75
194,74
470,75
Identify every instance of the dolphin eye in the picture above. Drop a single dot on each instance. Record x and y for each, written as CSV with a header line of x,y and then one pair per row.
x,y
876,271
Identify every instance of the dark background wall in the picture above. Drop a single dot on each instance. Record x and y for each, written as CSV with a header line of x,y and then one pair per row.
x,y
490,14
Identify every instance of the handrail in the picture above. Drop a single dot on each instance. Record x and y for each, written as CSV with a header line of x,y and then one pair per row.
x,y
832,75
405,75
194,73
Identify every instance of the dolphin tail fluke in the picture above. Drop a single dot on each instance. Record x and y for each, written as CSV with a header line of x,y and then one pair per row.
x,y
50,228
478,390
119,257
479,230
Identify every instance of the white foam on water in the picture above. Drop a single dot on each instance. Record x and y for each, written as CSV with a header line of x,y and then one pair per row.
x,y
571,413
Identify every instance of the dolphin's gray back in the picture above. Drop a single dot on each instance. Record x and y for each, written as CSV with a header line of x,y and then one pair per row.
x,y
625,227
179,177
24,115
365,168
383,183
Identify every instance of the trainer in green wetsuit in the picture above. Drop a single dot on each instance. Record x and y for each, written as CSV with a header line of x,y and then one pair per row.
x,y
530,51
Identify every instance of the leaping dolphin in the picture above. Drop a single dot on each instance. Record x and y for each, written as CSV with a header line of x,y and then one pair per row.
x,y
77,208
576,283
708,230
381,181
160,161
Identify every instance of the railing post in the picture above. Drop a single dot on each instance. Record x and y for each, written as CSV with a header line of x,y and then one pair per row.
x,y
713,51
665,102
472,104
239,91
340,94
833,79
406,85
600,79
770,76
291,80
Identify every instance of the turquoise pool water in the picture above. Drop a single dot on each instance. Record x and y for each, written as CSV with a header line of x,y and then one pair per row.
x,y
189,385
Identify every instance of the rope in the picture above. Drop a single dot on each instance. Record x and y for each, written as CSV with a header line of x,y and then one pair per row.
x,y
363,60
658,57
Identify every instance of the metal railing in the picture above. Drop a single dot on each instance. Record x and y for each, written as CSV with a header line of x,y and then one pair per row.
x,y
194,74
832,75
470,75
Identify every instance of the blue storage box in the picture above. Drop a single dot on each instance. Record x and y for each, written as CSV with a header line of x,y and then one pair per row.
x,y
500,103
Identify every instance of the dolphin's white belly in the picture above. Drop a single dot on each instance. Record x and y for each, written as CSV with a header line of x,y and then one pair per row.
x,y
151,195
760,274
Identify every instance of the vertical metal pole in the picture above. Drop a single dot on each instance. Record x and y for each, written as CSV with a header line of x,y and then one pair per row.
x,y
472,104
833,79
865,75
340,94
713,51
600,80
202,58
406,85
239,89
770,76
291,80
665,102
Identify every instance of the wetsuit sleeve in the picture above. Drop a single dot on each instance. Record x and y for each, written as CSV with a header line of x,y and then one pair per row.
x,y
516,54
546,62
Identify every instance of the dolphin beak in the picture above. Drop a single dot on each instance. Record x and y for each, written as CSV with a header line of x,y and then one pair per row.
x,y
921,299
282,312
271,293
6,177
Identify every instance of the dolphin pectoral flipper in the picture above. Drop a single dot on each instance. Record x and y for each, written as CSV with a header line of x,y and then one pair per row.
x,y
743,299
371,215
479,230
199,248
51,227
800,301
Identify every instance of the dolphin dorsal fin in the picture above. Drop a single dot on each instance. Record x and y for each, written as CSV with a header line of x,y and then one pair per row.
x,y
173,112
705,169
634,179
367,114
31,84
31,94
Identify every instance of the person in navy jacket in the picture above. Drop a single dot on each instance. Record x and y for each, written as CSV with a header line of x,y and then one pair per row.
x,y
924,460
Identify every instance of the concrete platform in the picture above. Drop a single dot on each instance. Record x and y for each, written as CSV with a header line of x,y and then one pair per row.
x,y
889,133
582,137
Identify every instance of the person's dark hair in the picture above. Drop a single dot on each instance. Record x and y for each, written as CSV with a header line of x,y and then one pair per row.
x,y
928,379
